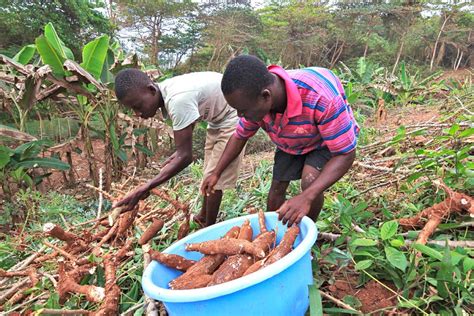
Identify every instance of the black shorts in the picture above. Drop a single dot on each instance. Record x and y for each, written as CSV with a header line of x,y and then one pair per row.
x,y
289,167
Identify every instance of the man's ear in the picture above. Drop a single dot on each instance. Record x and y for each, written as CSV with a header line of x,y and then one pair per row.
x,y
153,89
266,94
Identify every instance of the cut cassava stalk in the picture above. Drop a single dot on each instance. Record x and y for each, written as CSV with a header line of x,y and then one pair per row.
x,y
60,251
151,231
19,293
67,285
454,203
170,260
246,231
233,268
163,195
227,247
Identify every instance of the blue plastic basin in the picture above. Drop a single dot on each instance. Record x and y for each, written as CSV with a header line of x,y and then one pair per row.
x,y
279,289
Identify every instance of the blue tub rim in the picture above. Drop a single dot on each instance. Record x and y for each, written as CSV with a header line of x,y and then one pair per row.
x,y
207,293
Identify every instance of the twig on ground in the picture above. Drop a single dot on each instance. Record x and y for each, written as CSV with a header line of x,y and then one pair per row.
x,y
338,302
61,251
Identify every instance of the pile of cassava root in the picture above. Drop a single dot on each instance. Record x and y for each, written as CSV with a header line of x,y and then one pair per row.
x,y
231,257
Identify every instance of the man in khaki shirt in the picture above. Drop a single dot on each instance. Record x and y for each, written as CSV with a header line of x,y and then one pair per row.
x,y
187,99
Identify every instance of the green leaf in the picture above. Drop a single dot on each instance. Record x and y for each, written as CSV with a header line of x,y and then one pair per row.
x,y
363,264
53,39
315,302
352,301
466,133
122,155
94,54
50,56
107,76
144,150
5,155
428,251
53,301
396,258
335,310
113,137
397,243
25,54
452,131
388,230
51,163
363,242
468,264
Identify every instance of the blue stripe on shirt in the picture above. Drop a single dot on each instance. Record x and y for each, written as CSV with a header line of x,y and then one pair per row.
x,y
300,123
314,106
348,127
328,83
303,84
333,117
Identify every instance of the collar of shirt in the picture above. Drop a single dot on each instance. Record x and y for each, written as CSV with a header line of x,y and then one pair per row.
x,y
294,105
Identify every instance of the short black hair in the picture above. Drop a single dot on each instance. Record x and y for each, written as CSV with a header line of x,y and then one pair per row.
x,y
247,73
128,80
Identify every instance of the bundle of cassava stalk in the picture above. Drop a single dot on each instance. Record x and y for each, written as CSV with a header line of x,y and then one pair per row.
x,y
231,257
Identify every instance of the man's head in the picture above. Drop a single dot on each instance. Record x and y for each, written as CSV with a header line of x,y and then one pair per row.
x,y
135,90
246,85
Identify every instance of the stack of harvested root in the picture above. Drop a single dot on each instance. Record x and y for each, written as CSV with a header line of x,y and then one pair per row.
x,y
78,252
231,257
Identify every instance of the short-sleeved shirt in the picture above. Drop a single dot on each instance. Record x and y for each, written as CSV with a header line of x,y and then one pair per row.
x,y
196,96
317,114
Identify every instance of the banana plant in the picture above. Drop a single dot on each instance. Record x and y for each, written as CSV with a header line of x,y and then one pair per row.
x,y
20,165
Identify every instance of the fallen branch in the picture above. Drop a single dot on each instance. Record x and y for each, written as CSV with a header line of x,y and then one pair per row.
x,y
61,251
167,198
49,311
23,264
338,302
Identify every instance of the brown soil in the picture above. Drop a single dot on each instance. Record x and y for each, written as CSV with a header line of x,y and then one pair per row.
x,y
80,166
372,295
409,115
457,75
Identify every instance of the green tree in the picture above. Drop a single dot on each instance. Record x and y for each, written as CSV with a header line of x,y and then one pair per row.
x,y
148,21
76,21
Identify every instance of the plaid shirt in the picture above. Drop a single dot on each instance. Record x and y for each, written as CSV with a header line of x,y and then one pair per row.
x,y
317,114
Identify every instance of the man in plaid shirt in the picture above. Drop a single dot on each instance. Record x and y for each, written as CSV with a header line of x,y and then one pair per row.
x,y
306,115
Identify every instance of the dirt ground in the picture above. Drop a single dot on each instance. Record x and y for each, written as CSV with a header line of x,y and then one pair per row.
x,y
373,296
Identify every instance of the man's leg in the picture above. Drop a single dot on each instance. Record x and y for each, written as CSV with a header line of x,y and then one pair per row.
x,y
276,196
213,203
308,176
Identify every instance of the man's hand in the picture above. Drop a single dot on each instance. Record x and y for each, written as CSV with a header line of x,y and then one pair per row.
x,y
293,210
131,200
208,184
